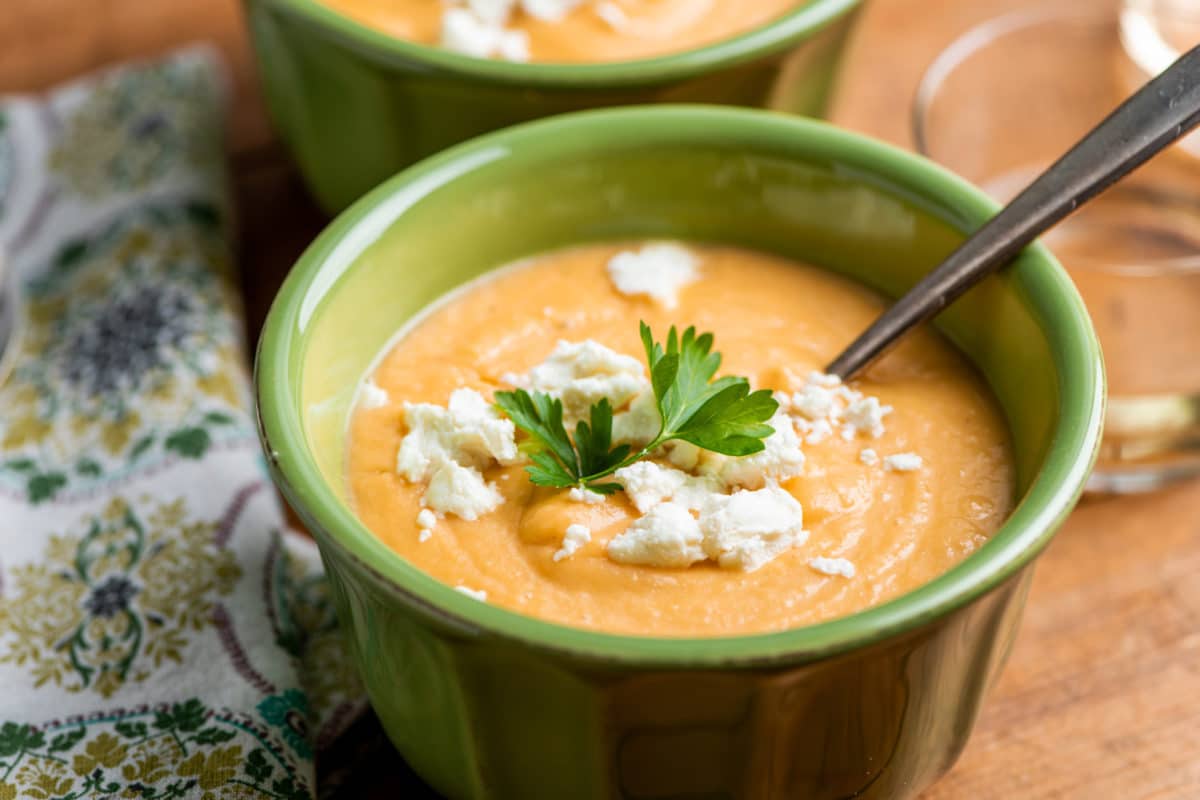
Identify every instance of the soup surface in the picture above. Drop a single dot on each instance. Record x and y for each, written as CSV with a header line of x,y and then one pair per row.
x,y
887,506
562,31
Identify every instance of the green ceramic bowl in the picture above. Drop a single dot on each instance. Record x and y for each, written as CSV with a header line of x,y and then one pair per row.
x,y
355,105
484,702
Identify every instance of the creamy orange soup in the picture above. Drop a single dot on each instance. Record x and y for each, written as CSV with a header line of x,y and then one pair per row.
x,y
773,320
609,30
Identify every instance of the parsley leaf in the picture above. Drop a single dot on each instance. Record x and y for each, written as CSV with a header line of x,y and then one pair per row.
x,y
556,460
721,415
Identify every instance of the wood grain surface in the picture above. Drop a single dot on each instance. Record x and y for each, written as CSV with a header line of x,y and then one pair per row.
x,y
1101,698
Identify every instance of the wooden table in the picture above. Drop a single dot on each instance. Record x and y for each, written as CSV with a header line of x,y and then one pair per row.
x,y
1102,696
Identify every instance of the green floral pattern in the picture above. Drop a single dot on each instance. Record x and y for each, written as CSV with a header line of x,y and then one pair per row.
x,y
140,550
180,750
137,126
117,601
131,353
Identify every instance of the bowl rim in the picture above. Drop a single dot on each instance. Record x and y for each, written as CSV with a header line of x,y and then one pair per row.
x,y
765,40
1054,301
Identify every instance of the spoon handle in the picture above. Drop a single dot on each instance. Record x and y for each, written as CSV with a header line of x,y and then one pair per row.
x,y
1159,113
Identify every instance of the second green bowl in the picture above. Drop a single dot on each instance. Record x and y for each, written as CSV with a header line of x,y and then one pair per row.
x,y
355,105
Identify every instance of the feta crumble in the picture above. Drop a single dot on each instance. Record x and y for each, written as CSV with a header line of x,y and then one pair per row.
x,y
781,458
580,374
866,414
425,535
868,456
492,12
463,31
579,495
648,484
458,490
549,10
903,462
575,537
613,15
747,529
372,395
641,423
833,566
659,271
825,379
475,594
818,432
743,530
446,448
825,404
426,518
666,536
814,401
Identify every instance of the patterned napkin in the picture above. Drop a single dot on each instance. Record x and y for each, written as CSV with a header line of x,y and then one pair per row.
x,y
161,634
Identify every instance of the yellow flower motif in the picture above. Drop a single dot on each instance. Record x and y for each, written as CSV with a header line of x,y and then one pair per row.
x,y
105,750
219,384
107,684
25,430
152,760
7,791
43,778
116,435
115,603
168,515
215,769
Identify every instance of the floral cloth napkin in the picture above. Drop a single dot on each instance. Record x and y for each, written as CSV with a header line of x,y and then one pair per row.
x,y
161,634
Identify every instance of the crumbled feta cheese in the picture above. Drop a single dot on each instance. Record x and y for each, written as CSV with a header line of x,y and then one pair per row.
x,y
475,594
903,462
684,455
866,414
425,535
469,430
585,496
492,12
818,432
549,10
826,404
426,518
447,447
648,484
746,529
513,46
464,32
666,536
612,14
581,373
833,566
814,401
824,379
461,491
575,537
780,459
868,456
658,270
372,395
641,423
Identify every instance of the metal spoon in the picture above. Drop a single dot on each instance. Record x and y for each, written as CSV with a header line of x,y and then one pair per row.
x,y
1159,113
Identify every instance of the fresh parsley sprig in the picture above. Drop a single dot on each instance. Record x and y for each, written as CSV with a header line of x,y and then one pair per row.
x,y
720,415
